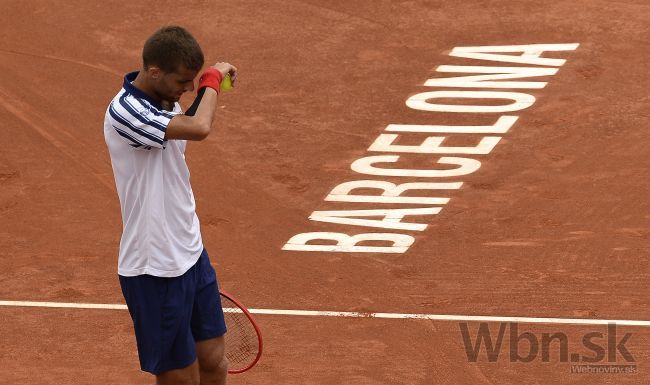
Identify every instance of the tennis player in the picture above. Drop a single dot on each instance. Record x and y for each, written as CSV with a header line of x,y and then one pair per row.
x,y
165,274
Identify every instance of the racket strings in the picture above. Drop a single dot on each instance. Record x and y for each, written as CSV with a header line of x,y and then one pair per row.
x,y
242,345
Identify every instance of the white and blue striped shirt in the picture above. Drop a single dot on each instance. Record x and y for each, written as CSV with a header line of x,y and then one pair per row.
x,y
138,119
161,233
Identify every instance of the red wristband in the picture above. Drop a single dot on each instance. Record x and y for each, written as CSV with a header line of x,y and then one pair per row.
x,y
211,78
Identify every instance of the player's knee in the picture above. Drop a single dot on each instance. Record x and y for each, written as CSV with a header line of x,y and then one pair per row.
x,y
187,381
184,376
178,378
223,366
215,363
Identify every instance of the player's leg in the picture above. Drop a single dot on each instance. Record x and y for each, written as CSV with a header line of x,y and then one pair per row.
x,y
161,309
208,326
213,365
184,376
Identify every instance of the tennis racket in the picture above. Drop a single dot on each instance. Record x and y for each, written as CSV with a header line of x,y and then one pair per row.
x,y
243,338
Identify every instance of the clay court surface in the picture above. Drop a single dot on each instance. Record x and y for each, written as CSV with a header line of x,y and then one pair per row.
x,y
554,224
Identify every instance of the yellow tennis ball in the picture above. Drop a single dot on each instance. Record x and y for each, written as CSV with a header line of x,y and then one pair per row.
x,y
226,83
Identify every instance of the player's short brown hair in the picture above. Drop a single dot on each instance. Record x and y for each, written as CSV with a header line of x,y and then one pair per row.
x,y
171,46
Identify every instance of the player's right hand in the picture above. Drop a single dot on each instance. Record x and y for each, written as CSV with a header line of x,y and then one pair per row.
x,y
225,69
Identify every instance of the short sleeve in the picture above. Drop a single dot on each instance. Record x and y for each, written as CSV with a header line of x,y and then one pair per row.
x,y
139,123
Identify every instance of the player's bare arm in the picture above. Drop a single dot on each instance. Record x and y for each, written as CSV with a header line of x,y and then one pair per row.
x,y
199,125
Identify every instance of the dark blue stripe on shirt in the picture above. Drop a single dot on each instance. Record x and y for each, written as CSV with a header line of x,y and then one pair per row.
x,y
136,143
154,110
129,108
128,124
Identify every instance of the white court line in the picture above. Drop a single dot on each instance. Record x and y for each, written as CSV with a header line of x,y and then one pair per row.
x,y
347,314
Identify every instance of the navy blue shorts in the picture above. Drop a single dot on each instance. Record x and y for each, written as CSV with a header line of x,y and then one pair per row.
x,y
171,314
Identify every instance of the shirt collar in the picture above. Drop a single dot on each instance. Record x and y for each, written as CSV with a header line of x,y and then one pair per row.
x,y
133,90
